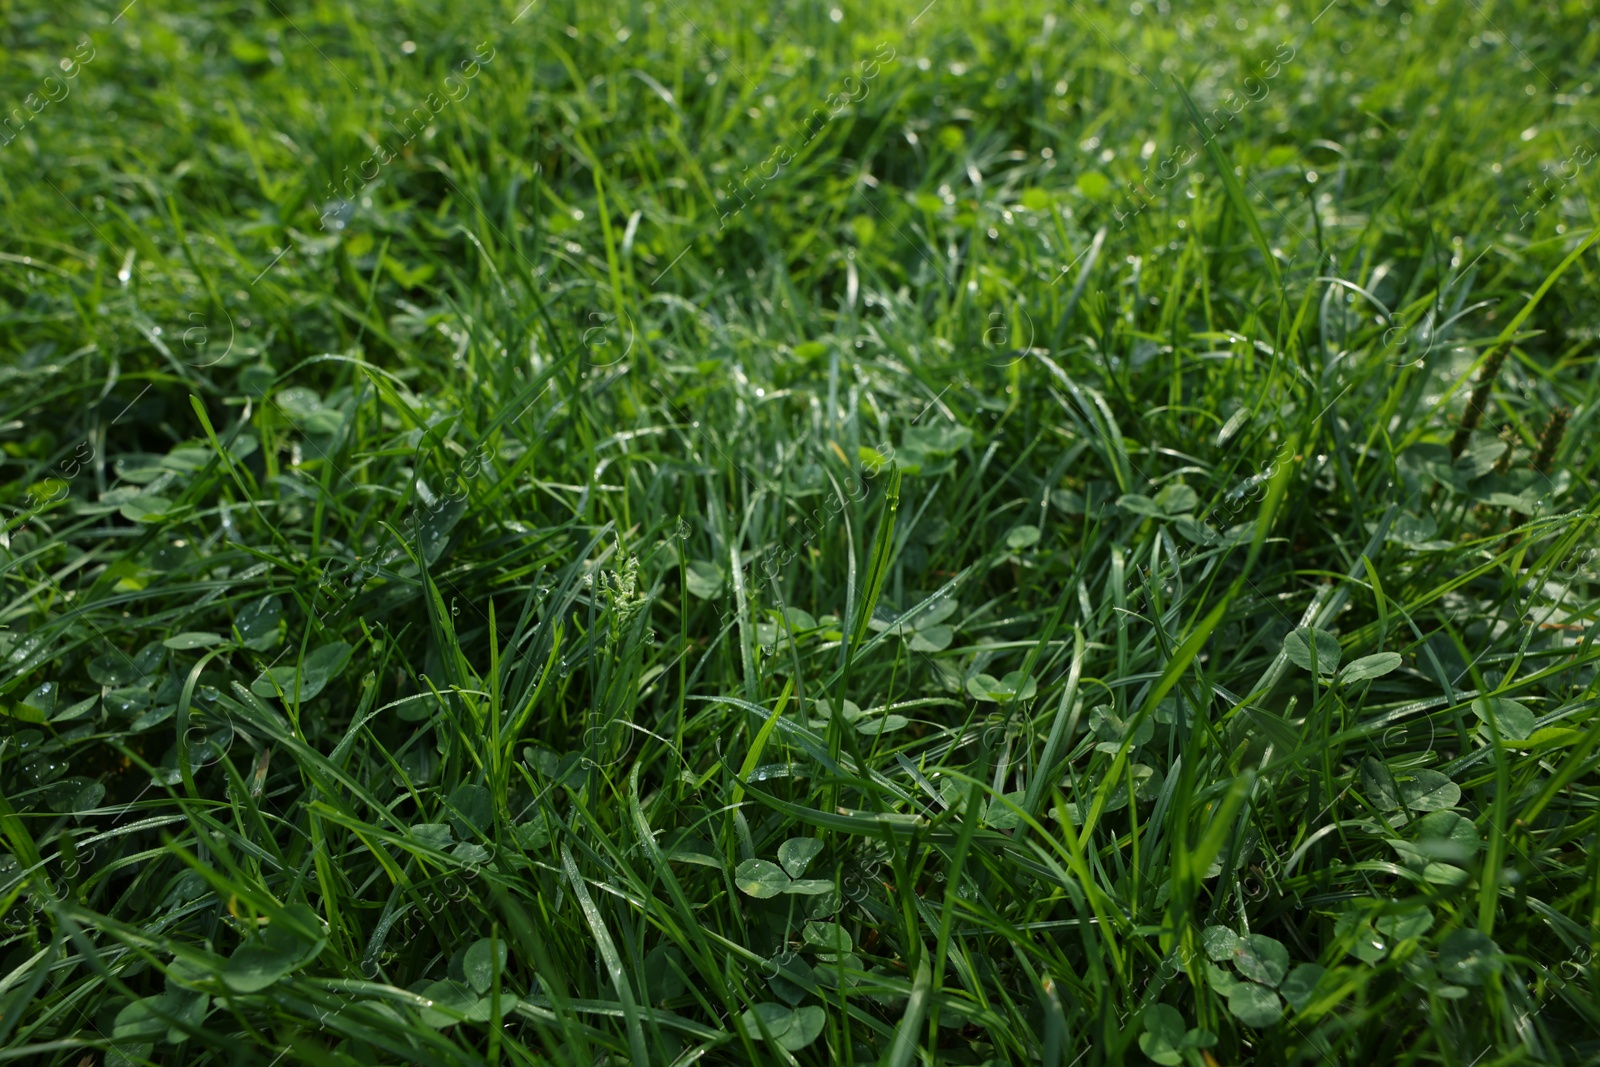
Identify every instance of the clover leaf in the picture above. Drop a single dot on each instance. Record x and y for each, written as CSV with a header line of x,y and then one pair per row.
x,y
1513,720
1113,730
1468,957
1165,1038
484,959
1301,984
282,948
1001,690
1374,666
319,668
1313,650
1261,959
797,853
763,879
1255,1005
760,878
1425,790
789,1028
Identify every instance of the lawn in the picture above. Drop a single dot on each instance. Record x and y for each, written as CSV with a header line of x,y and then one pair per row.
x,y
726,532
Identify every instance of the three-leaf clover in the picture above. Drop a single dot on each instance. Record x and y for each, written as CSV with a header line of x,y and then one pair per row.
x,y
1425,790
1261,959
1023,536
466,995
791,979
1419,790
1366,943
1173,502
484,959
260,623
1255,1005
1001,690
762,878
1442,846
1263,966
925,450
145,1020
828,939
776,628
871,722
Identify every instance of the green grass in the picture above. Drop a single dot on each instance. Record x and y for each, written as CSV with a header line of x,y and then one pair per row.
x,y
780,534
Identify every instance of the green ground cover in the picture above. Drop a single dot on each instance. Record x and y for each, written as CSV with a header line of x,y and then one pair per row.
x,y
773,533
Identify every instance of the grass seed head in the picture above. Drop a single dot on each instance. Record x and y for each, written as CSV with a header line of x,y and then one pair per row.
x,y
1555,428
1478,400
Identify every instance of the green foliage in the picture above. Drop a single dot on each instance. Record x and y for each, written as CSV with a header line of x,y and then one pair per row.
x,y
1166,1039
974,533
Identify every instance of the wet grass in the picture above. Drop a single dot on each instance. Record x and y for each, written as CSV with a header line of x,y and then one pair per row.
x,y
761,534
